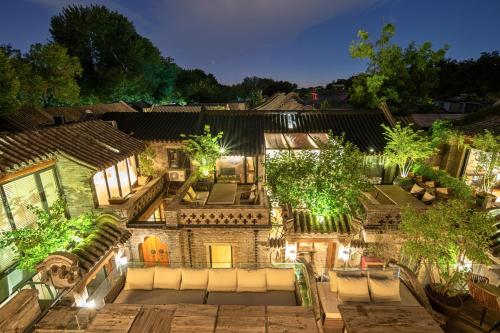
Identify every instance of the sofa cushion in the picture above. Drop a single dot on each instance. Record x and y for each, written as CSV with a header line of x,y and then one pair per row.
x,y
353,289
221,279
252,280
383,274
275,297
280,279
191,193
139,278
194,279
167,278
416,189
161,296
386,290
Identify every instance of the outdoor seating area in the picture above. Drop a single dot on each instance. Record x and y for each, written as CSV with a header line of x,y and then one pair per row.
x,y
221,193
217,286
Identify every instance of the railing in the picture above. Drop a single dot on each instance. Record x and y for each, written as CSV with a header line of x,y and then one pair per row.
x,y
224,216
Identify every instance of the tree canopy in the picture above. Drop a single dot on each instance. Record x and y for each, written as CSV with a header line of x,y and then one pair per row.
x,y
400,77
328,182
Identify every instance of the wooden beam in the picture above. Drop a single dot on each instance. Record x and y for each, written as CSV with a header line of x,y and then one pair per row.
x,y
26,171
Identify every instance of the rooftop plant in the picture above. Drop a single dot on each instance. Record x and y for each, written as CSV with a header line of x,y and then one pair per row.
x,y
52,232
446,238
204,150
146,162
405,146
328,182
460,189
487,159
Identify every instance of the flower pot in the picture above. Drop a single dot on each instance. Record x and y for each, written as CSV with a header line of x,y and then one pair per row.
x,y
449,306
485,200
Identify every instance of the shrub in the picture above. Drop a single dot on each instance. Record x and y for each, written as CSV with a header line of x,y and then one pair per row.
x,y
460,189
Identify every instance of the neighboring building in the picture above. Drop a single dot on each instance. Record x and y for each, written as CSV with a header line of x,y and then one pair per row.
x,y
88,163
284,102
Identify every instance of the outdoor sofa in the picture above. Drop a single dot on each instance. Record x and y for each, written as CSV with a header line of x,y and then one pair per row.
x,y
353,287
218,286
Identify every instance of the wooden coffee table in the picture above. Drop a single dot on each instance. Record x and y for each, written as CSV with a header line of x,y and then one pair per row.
x,y
387,319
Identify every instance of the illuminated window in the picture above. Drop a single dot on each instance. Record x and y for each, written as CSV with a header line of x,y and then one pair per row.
x,y
20,193
132,169
123,175
112,178
101,189
221,256
49,185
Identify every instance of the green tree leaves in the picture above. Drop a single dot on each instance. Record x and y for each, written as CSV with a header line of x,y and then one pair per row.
x,y
204,150
9,85
399,77
327,182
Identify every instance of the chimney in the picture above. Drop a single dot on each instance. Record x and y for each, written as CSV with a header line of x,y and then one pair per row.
x,y
59,120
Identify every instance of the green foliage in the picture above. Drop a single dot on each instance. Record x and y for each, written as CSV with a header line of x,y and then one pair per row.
x,y
118,63
487,158
204,150
146,162
406,146
396,76
460,189
52,232
445,238
328,182
9,85
58,71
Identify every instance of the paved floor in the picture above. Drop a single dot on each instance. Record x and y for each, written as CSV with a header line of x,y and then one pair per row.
x,y
468,320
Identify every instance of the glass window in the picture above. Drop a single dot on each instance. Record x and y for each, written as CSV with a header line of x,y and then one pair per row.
x,y
177,159
132,169
49,186
100,188
21,193
123,174
112,178
221,256
231,169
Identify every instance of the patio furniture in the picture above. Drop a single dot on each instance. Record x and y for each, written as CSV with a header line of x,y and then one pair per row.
x,y
222,194
198,197
361,318
486,295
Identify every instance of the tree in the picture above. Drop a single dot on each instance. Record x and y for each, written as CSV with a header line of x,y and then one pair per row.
x,y
9,85
405,146
52,232
117,62
204,150
446,239
146,162
328,182
487,159
58,71
396,76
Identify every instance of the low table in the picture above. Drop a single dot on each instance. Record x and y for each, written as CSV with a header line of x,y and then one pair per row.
x,y
222,194
387,319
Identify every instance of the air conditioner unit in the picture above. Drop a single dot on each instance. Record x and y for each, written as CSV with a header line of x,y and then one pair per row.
x,y
177,176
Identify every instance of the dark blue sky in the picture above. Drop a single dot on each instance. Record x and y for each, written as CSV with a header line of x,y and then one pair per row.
x,y
304,41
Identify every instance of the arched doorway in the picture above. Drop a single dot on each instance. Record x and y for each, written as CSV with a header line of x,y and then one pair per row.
x,y
154,251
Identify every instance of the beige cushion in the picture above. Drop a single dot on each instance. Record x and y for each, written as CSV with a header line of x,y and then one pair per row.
x,y
167,278
384,290
442,190
187,198
428,197
280,279
416,189
252,280
353,289
191,193
194,279
382,274
430,183
221,279
139,278
333,281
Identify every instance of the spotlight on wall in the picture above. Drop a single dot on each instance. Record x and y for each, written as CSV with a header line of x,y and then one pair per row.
x,y
291,252
90,304
122,261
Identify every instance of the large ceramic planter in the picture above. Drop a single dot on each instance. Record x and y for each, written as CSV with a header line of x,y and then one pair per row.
x,y
485,200
449,306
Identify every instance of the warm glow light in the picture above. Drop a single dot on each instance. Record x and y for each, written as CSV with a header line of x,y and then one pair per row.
x,y
122,261
90,304
344,253
291,251
321,219
223,150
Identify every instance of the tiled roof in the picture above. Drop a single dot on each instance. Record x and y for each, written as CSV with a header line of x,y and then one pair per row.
x,y
282,101
94,143
306,223
176,108
425,120
244,130
32,119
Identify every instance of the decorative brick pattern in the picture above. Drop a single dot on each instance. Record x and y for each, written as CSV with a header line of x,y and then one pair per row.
x,y
224,216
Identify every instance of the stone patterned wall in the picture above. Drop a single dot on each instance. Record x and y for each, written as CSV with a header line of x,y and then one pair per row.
x,y
76,181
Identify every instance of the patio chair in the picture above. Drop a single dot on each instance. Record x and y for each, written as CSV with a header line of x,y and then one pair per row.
x,y
486,295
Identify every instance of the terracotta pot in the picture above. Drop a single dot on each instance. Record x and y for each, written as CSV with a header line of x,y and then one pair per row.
x,y
449,306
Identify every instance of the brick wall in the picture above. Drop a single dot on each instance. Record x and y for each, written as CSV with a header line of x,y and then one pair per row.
x,y
76,181
169,237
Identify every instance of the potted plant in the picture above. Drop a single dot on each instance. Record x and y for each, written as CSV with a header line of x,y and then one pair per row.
x,y
446,239
204,150
405,146
146,166
487,147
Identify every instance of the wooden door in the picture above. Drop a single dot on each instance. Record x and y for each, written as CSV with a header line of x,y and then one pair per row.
x,y
154,251
330,255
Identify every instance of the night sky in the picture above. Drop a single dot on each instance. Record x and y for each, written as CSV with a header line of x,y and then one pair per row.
x,y
304,41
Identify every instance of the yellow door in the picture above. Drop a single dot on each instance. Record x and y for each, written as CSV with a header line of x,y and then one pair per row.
x,y
221,256
154,251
